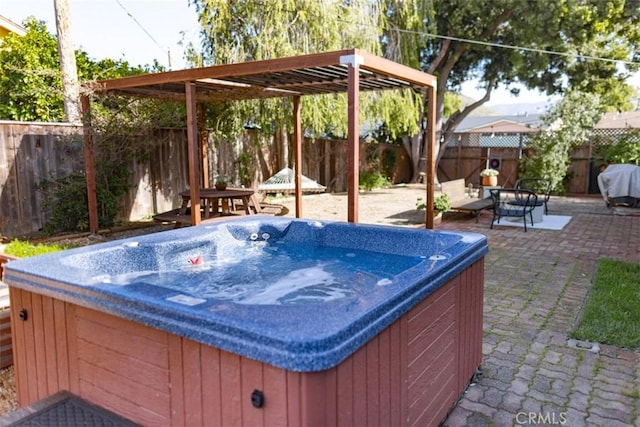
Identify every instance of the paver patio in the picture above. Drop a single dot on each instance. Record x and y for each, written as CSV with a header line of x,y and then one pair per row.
x,y
536,284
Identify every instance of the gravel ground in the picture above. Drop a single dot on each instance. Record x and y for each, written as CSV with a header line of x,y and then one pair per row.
x,y
7,391
392,206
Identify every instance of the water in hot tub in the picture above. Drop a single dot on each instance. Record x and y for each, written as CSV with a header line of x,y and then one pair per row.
x,y
264,272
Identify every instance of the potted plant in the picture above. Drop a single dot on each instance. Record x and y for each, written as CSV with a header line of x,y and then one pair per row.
x,y
489,177
221,183
441,204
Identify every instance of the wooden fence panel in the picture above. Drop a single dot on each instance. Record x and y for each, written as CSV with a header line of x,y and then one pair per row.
x,y
30,154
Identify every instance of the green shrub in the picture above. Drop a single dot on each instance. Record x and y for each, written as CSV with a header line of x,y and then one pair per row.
x,y
372,180
67,197
22,249
626,149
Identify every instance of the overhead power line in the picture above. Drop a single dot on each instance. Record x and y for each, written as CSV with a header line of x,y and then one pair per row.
x,y
526,49
133,18
513,47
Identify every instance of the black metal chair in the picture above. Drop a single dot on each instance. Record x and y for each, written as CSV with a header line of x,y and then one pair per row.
x,y
540,186
511,202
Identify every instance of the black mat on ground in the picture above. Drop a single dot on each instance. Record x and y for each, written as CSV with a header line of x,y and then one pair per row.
x,y
65,409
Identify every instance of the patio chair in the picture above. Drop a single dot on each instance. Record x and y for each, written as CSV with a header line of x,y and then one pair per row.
x,y
511,202
540,186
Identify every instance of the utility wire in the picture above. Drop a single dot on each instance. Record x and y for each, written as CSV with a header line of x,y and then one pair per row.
x,y
513,47
162,48
528,49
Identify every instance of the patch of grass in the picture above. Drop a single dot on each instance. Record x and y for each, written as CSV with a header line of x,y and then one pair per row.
x,y
611,315
22,249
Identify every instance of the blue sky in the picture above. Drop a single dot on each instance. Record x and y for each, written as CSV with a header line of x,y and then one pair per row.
x,y
140,31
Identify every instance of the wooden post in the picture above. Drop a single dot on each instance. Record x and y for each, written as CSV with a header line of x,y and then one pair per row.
x,y
431,161
89,164
204,143
193,155
297,141
353,141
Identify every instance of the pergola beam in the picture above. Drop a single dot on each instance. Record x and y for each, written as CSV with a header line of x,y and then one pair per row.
x,y
431,161
89,164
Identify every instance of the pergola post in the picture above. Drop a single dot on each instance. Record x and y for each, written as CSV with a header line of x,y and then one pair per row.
x,y
89,164
353,138
297,152
431,161
204,143
193,155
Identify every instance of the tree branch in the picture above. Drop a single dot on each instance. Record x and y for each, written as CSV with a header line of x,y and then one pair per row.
x,y
440,57
459,116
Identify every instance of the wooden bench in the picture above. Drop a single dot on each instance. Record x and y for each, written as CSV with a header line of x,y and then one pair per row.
x,y
460,200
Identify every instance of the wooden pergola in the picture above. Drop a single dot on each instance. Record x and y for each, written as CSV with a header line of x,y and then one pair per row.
x,y
349,70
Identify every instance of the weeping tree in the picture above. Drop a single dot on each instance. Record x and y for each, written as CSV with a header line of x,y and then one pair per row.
x,y
248,30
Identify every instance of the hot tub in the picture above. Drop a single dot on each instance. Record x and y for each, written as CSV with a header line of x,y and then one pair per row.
x,y
255,321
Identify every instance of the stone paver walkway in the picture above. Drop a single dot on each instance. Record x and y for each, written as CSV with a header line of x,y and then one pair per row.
x,y
535,286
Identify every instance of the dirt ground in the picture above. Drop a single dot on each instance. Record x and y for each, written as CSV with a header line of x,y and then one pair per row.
x,y
392,206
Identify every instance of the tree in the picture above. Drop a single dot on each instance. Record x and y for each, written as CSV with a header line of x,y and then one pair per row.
x,y
568,125
246,30
30,77
70,85
31,90
439,33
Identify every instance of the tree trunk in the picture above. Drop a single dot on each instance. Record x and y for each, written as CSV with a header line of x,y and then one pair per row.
x,y
70,86
412,145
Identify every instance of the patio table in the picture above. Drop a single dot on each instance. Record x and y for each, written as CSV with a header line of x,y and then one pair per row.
x,y
212,198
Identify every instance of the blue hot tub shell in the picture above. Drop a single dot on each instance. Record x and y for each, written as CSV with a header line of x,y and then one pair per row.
x,y
305,337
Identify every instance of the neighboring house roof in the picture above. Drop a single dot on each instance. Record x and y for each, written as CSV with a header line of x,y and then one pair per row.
x,y
510,124
8,26
620,120
532,123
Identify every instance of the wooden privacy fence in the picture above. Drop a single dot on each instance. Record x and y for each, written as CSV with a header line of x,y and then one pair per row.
x,y
466,154
31,153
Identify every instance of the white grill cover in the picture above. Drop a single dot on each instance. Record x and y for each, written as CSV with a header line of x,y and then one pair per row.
x,y
620,181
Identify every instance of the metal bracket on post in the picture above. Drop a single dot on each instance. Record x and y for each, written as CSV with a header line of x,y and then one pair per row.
x,y
353,60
